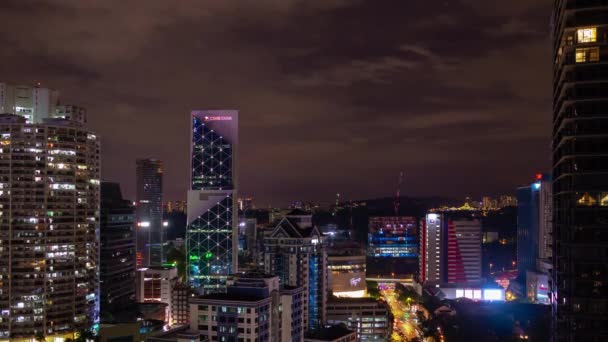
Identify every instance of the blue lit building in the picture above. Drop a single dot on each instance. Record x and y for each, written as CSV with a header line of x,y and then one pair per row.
x,y
392,245
393,237
211,236
527,227
534,229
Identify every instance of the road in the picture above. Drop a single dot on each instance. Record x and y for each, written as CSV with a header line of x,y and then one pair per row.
x,y
404,327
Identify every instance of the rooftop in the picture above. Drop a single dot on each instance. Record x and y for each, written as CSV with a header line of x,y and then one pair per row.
x,y
338,300
293,229
298,212
329,334
174,334
233,297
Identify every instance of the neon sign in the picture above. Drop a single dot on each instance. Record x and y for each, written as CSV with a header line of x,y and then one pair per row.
x,y
218,118
355,281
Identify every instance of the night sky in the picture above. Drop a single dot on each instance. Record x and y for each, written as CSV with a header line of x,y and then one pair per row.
x,y
334,95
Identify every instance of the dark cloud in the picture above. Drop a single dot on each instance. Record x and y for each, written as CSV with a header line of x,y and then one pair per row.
x,y
335,95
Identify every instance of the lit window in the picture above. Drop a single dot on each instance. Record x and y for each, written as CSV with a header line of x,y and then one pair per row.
x,y
587,35
604,200
587,200
591,54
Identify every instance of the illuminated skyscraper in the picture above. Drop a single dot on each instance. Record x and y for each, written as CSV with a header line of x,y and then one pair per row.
x,y
450,250
212,236
151,235
49,228
580,170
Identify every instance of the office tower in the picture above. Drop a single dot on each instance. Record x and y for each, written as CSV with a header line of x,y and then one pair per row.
x,y
49,221
346,266
534,227
212,236
155,285
247,241
527,228
580,177
393,237
545,226
450,250
370,318
392,248
151,235
117,250
295,251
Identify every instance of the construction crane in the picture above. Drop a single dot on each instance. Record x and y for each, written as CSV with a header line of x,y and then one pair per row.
x,y
398,193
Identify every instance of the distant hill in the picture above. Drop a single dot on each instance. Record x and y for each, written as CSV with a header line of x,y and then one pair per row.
x,y
408,206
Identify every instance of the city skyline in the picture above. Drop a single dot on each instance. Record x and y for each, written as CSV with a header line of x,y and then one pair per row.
x,y
305,97
350,170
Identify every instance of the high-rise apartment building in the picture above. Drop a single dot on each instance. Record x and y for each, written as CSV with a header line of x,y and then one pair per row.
x,y
151,235
212,235
117,249
34,103
296,252
450,249
580,172
49,221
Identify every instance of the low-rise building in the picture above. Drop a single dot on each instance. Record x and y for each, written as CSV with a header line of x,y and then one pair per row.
x,y
369,318
155,284
179,307
346,270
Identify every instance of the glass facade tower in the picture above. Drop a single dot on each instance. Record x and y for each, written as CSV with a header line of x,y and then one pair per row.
x,y
211,237
580,170
151,235
117,250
